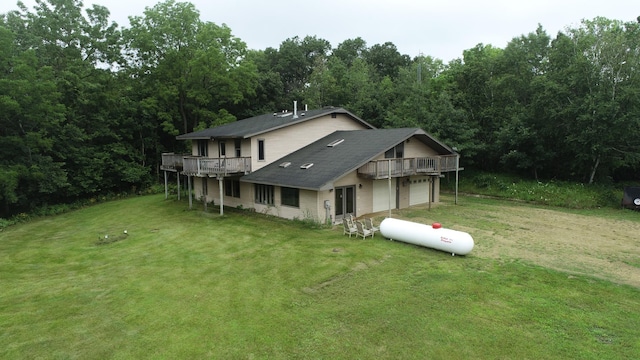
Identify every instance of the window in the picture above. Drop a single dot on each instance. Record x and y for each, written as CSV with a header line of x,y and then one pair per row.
x,y
290,197
223,149
396,152
261,149
390,154
264,194
203,149
238,147
400,150
232,188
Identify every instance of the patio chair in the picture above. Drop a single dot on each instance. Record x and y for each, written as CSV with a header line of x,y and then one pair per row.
x,y
368,224
348,228
362,231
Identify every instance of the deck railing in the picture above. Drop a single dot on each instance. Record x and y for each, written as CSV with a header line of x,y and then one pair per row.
x,y
172,162
432,165
202,166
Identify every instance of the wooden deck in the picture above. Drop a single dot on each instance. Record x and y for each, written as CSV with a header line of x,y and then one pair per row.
x,y
433,165
204,166
380,169
172,162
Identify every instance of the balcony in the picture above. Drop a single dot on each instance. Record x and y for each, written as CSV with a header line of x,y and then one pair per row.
x,y
201,166
172,162
432,165
204,166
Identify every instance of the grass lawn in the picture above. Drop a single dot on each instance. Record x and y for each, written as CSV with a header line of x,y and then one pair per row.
x,y
188,284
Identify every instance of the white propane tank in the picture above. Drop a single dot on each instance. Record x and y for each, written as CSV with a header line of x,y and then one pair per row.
x,y
432,236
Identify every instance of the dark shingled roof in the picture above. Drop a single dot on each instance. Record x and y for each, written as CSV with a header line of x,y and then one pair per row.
x,y
331,163
268,122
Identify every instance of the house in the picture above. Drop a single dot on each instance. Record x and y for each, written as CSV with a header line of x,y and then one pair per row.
x,y
321,164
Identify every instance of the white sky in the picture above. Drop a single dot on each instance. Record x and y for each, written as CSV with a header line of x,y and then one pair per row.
x,y
442,29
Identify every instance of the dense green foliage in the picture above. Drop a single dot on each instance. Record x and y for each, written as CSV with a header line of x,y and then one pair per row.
x,y
87,106
189,284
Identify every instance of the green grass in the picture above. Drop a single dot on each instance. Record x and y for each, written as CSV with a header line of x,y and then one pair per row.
x,y
188,284
555,193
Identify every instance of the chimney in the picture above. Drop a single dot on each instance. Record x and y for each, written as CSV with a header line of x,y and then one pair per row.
x,y
295,109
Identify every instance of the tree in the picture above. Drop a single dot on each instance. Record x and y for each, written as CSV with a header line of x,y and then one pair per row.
x,y
524,65
386,60
194,71
601,58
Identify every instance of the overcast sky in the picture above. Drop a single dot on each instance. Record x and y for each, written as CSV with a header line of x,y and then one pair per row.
x,y
442,29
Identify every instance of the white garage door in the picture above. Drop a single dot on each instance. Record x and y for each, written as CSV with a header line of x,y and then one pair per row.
x,y
419,191
381,195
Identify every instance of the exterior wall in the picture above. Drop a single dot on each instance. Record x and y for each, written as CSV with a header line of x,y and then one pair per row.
x,y
308,206
404,187
322,212
372,196
364,194
436,191
416,148
281,142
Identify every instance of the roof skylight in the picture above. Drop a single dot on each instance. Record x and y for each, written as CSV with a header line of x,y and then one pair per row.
x,y
306,166
335,142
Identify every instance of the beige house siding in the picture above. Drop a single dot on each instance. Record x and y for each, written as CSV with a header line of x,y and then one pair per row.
x,y
364,195
308,206
281,142
416,148
370,195
403,192
322,212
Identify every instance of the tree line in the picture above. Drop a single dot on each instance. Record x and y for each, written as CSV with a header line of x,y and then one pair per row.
x,y
87,106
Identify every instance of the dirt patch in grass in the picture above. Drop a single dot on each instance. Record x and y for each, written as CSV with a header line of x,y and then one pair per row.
x,y
577,244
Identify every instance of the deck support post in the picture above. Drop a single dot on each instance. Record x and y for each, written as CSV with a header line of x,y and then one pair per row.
x,y
189,186
178,185
166,186
220,186
457,175
389,177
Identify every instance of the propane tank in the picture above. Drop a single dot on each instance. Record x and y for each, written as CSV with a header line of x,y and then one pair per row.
x,y
432,236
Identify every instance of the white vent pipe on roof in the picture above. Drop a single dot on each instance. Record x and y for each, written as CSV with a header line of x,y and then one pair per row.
x,y
432,236
295,109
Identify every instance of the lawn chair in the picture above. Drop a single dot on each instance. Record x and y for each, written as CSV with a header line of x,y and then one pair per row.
x,y
362,231
368,224
348,228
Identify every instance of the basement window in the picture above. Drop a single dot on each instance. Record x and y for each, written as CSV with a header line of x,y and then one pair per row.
x,y
306,166
335,143
290,197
